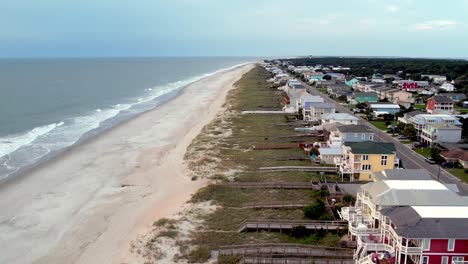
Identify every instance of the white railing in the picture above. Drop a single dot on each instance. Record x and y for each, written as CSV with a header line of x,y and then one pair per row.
x,y
379,247
410,250
356,231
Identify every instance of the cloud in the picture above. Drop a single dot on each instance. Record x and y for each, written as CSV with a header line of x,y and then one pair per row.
x,y
392,8
435,25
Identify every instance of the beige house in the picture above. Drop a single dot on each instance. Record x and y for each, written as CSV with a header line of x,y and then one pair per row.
x,y
403,98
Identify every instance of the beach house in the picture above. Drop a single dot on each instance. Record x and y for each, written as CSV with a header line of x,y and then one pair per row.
x,y
361,159
406,217
343,118
384,108
440,133
313,111
364,97
349,133
440,105
448,87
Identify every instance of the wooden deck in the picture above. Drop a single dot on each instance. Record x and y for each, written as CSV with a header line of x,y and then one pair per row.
x,y
301,168
286,250
259,260
277,205
286,225
274,185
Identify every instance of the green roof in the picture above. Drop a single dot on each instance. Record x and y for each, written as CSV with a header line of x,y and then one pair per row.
x,y
371,147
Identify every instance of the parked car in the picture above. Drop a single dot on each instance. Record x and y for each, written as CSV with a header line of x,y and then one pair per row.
x,y
430,160
402,137
448,165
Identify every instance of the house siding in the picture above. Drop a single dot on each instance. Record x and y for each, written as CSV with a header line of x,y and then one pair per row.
x,y
439,249
375,162
357,137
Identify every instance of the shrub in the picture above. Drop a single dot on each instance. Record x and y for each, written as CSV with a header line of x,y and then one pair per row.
x,y
348,199
299,231
315,210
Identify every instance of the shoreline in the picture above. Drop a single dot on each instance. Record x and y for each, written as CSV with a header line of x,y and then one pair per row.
x,y
97,132
100,201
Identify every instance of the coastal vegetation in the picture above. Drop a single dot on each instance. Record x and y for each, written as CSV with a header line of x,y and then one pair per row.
x,y
231,149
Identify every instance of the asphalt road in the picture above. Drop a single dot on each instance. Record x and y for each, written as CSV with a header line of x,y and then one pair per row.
x,y
409,158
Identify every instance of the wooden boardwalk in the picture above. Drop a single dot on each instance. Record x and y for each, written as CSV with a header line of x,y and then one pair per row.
x,y
274,185
260,260
276,205
287,225
286,250
301,168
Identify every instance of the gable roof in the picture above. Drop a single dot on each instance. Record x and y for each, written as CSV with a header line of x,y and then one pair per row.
x,y
407,174
410,224
354,129
458,153
365,94
442,99
371,147
339,116
411,193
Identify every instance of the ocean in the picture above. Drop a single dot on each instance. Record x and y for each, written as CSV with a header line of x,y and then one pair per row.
x,y
48,105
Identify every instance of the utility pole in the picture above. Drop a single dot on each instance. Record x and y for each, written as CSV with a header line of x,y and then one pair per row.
x,y
438,174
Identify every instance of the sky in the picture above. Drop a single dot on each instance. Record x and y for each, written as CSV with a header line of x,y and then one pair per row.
x,y
127,28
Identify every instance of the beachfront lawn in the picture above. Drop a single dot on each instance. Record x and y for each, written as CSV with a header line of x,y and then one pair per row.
x,y
462,110
405,141
380,124
419,106
322,90
426,152
460,173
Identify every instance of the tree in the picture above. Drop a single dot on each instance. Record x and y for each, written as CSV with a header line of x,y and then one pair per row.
x,y
327,77
435,155
342,98
464,122
401,127
314,151
409,131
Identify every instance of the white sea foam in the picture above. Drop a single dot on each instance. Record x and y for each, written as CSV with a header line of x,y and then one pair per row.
x,y
9,144
40,141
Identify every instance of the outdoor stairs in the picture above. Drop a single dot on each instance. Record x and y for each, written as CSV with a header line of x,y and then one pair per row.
x,y
286,225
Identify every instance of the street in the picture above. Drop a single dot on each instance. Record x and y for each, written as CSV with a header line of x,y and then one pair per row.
x,y
409,158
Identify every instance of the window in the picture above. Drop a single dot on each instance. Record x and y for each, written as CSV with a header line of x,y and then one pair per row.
x,y
426,244
366,167
444,260
383,162
457,260
365,157
371,137
425,260
451,244
363,136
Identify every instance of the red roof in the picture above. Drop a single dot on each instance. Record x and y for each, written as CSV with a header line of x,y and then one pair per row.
x,y
458,153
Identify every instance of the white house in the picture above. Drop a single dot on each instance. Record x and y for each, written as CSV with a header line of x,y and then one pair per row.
x,y
441,133
313,111
343,118
446,86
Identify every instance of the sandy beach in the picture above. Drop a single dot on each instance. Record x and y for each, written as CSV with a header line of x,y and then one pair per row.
x,y
88,204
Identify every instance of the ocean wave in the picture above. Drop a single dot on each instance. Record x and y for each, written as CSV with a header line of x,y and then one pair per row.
x,y
9,144
31,146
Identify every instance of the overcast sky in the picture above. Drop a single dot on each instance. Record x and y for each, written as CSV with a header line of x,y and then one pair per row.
x,y
108,28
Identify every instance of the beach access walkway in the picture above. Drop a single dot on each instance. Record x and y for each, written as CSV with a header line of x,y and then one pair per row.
x,y
283,251
301,168
274,185
288,225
